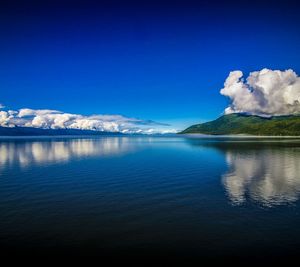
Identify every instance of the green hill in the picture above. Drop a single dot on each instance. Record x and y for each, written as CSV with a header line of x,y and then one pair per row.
x,y
248,125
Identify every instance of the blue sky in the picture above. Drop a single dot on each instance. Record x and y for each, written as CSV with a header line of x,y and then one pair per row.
x,y
153,60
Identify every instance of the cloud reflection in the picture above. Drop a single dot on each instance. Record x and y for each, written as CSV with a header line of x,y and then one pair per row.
x,y
263,170
24,153
268,176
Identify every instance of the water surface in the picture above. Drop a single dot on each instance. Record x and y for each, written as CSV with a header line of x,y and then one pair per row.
x,y
171,196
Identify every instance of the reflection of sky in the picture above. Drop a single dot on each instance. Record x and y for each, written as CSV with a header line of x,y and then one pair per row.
x,y
265,173
269,176
38,152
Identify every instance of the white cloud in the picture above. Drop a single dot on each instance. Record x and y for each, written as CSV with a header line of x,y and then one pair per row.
x,y
33,112
265,93
54,119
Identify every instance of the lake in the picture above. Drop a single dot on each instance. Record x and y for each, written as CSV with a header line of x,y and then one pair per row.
x,y
173,197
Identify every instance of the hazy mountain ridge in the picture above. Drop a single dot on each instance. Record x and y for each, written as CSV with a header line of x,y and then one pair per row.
x,y
249,124
31,131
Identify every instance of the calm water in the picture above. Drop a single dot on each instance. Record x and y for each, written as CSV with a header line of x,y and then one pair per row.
x,y
151,196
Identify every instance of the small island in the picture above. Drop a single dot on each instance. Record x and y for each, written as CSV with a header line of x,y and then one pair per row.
x,y
242,124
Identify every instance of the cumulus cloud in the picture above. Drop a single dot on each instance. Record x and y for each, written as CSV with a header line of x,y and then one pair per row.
x,y
54,119
264,93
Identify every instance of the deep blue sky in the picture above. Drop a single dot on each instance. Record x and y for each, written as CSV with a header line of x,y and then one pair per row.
x,y
164,61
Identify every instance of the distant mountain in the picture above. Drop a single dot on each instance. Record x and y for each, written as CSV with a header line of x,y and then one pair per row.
x,y
30,131
248,125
